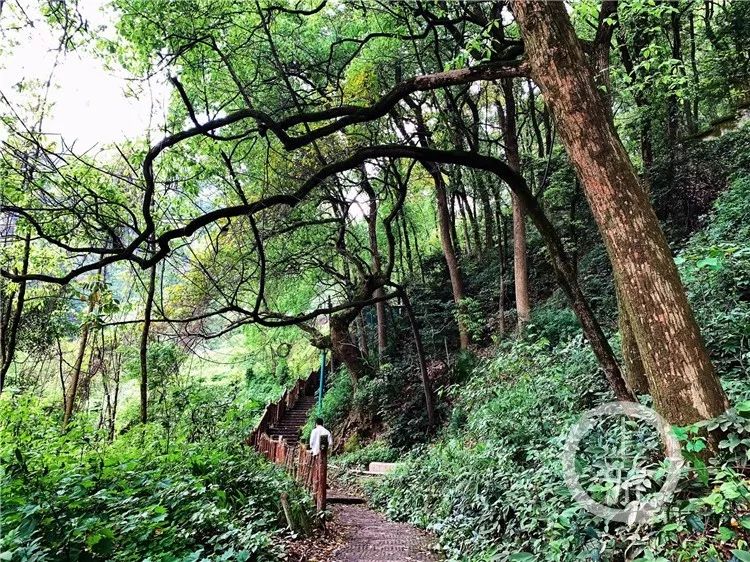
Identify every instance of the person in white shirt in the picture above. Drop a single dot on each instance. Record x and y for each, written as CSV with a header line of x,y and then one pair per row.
x,y
316,434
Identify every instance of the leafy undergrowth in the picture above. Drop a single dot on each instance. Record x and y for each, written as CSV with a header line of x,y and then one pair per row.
x,y
151,495
492,485
376,451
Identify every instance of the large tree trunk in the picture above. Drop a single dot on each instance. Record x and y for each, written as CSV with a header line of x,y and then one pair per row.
x,y
634,371
344,350
520,266
680,375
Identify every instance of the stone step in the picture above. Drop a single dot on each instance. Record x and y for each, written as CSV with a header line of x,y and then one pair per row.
x,y
382,467
291,442
339,497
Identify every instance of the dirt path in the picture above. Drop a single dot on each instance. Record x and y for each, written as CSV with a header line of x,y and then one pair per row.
x,y
369,537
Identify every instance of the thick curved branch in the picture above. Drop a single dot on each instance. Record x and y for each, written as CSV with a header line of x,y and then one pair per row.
x,y
262,261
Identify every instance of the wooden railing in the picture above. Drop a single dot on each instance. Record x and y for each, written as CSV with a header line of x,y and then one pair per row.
x,y
275,411
310,471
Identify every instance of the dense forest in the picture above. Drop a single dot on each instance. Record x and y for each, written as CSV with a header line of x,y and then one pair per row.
x,y
485,221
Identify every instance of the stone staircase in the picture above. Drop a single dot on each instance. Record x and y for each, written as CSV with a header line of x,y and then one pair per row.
x,y
290,425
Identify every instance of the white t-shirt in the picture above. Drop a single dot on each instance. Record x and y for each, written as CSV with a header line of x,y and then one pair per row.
x,y
315,439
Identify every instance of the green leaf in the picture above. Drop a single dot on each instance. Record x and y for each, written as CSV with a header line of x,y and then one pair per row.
x,y
695,523
708,263
741,555
729,489
680,433
726,534
521,557
101,542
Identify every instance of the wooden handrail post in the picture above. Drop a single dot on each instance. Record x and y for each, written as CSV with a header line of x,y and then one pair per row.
x,y
322,469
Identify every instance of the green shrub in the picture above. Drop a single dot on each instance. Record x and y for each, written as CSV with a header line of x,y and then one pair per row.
x,y
492,486
376,451
152,494
553,324
464,363
715,266
469,311
352,443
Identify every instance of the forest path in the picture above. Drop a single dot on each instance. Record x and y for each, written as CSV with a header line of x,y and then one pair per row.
x,y
364,534
371,538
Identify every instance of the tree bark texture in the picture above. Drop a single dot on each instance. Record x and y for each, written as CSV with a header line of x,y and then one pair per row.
x,y
634,371
681,377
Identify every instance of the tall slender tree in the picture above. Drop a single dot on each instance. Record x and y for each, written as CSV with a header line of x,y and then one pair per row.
x,y
377,266
513,157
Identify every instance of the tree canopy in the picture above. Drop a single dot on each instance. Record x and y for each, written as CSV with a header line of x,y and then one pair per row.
x,y
410,188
